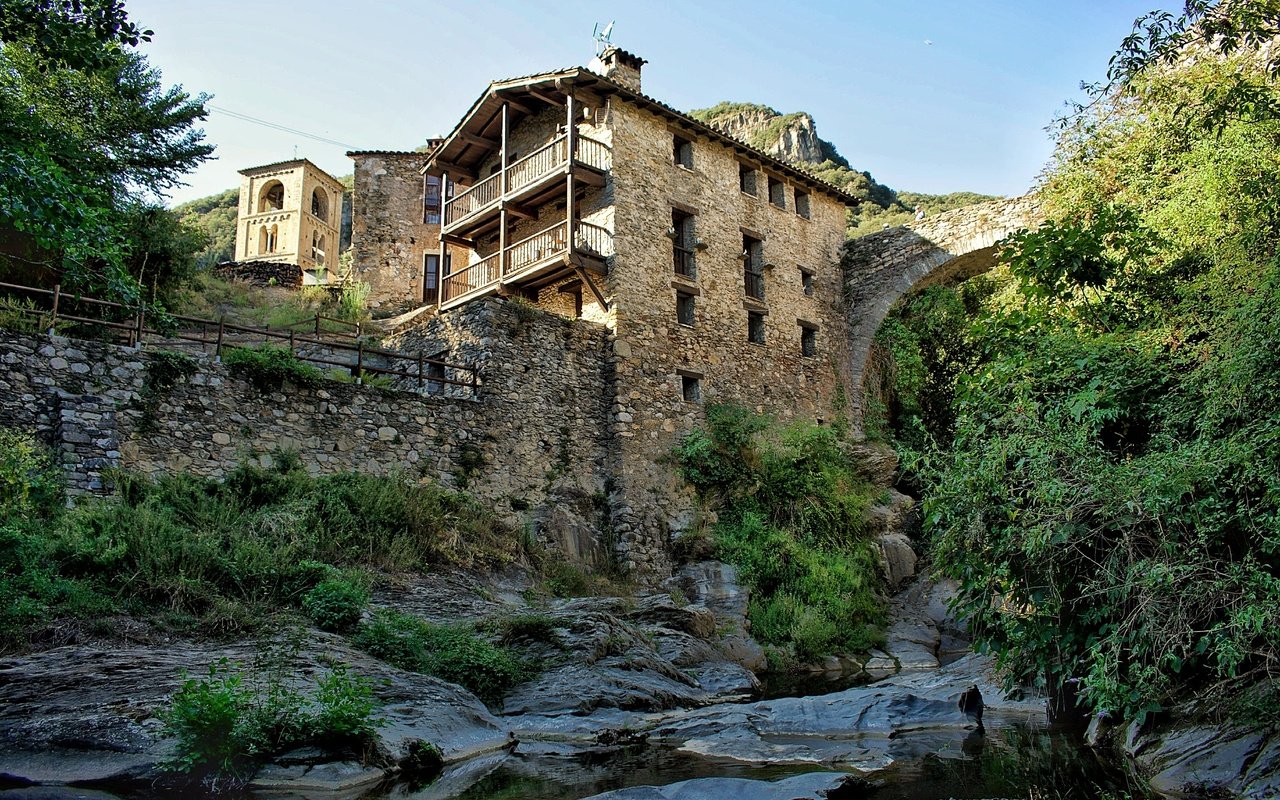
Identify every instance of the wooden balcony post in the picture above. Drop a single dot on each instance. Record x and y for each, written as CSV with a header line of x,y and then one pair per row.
x,y
571,143
444,219
502,203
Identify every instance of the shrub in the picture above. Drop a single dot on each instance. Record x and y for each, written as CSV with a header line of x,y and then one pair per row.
x,y
268,367
452,652
524,627
792,518
30,482
227,723
335,604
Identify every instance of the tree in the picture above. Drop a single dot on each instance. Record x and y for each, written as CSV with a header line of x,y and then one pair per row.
x,y
87,130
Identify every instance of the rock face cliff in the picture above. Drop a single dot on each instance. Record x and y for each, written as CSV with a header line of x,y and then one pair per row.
x,y
791,137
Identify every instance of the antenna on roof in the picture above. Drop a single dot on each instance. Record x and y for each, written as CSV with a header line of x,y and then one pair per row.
x,y
602,37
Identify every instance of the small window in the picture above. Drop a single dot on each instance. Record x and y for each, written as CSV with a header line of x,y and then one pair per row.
x,y
684,308
747,179
435,376
682,152
320,204
691,388
755,327
808,341
777,192
753,266
431,201
681,233
806,281
802,204
430,276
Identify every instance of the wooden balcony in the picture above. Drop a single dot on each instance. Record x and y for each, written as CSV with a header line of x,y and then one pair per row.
x,y
528,181
530,262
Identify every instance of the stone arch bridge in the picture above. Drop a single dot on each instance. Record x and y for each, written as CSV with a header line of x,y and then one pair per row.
x,y
883,267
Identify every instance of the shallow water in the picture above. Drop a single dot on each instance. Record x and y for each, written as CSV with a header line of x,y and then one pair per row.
x,y
1013,762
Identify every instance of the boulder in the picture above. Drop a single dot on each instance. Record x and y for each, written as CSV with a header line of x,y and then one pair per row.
x,y
1203,760
810,786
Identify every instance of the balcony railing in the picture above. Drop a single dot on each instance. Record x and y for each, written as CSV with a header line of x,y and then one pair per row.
x,y
527,171
542,247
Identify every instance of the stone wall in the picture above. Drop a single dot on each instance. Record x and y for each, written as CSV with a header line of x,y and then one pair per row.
x,y
262,273
652,351
388,236
881,268
531,436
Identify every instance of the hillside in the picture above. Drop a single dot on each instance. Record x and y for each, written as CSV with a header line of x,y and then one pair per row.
x,y
794,138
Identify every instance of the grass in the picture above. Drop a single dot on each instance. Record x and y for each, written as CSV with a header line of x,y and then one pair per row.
x,y
211,297
222,557
455,653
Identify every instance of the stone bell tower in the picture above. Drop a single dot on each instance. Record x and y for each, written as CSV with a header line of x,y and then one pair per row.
x,y
290,212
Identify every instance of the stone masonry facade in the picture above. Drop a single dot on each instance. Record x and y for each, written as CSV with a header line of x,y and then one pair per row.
x,y
529,437
290,212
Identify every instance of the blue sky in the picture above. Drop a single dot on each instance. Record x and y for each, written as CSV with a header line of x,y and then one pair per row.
x,y
967,112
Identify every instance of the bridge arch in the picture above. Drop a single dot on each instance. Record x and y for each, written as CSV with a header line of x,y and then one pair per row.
x,y
881,268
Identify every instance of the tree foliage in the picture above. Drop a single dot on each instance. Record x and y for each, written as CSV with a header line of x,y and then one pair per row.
x,y
1108,498
89,135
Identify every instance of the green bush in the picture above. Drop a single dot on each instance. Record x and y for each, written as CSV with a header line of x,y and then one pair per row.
x,y
335,604
792,518
30,482
452,652
224,556
226,724
268,367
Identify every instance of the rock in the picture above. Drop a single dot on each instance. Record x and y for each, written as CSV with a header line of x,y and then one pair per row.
x,y
714,585
77,714
1207,759
810,786
335,779
569,524
661,610
897,559
875,461
858,727
725,680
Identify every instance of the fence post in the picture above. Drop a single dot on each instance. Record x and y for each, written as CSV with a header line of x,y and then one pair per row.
x,y
53,318
317,325
217,351
141,323
419,369
291,347
359,371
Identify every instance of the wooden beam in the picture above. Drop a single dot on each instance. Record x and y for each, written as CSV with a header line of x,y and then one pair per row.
x,y
480,141
595,290
461,241
520,211
523,109
589,177
546,98
455,169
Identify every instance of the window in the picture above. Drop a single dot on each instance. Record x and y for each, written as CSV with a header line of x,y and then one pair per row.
x,y
320,204
682,151
430,276
682,243
806,281
808,341
431,201
435,370
691,388
271,198
802,204
747,179
777,192
684,308
753,266
755,327
268,239
317,248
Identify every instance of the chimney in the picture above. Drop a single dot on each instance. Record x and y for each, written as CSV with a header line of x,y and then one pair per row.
x,y
619,66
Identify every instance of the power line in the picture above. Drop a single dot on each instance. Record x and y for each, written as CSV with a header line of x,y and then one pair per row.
x,y
284,128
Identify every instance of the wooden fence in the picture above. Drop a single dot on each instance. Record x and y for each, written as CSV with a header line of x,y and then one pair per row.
x,y
131,324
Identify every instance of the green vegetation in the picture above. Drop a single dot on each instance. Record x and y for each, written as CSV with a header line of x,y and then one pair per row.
x,y
452,652
215,218
1095,428
75,185
229,722
221,557
269,367
792,517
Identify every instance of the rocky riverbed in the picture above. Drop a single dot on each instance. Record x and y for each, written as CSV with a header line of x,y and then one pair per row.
x,y
658,688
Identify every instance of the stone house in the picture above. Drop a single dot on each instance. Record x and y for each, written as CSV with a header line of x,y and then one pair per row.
x,y
291,213
712,267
